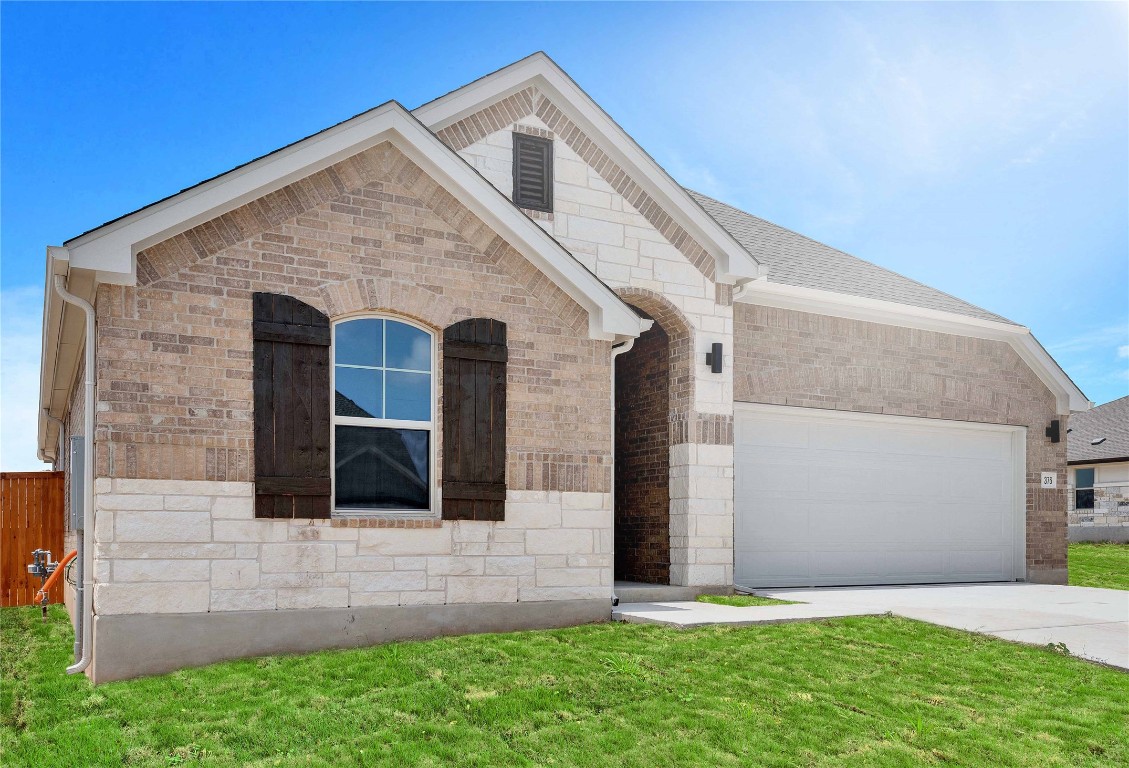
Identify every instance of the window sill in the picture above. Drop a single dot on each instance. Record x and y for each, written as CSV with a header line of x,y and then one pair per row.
x,y
386,520
537,213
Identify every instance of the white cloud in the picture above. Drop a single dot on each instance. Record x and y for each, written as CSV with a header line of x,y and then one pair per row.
x,y
1095,339
1095,359
21,311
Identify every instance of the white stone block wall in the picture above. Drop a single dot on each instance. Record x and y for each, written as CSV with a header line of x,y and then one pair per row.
x,y
610,237
165,546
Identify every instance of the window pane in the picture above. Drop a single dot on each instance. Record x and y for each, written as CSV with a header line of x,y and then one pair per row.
x,y
358,392
1084,478
382,468
407,347
359,342
408,396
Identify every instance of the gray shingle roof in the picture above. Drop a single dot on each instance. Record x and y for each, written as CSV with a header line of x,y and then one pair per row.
x,y
793,259
1110,421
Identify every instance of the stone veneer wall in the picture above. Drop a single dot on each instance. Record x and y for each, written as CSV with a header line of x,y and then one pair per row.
x,y
193,546
174,527
614,228
786,357
642,459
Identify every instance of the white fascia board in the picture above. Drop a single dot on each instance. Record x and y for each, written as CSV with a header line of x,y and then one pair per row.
x,y
1067,394
111,250
62,341
733,263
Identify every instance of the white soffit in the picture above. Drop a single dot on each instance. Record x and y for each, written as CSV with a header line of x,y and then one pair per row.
x,y
1067,394
733,262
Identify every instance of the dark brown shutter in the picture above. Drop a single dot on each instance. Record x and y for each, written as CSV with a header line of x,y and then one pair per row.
x,y
533,172
291,379
474,420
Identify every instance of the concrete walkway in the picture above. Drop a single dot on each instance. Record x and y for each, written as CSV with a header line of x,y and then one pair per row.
x,y
1092,623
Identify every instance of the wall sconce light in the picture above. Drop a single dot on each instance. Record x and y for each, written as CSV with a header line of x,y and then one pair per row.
x,y
1053,433
714,358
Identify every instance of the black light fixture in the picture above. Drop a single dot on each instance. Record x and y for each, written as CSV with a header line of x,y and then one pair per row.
x,y
714,358
1053,433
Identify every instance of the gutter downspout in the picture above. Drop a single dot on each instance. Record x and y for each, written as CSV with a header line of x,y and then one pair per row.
x,y
59,446
616,352
85,585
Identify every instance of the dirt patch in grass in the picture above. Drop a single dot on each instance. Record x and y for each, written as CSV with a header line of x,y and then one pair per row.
x,y
849,692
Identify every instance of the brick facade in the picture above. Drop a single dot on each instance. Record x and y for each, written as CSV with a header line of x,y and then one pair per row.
x,y
175,353
175,530
785,357
642,460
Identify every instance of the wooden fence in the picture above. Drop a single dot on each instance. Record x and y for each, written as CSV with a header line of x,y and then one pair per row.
x,y
31,517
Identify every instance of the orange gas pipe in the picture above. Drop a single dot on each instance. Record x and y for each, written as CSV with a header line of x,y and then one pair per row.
x,y
41,595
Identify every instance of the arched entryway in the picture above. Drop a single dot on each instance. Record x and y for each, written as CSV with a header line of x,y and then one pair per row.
x,y
642,460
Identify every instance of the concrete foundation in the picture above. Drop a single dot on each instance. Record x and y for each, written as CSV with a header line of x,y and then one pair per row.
x,y
128,646
1047,575
1116,533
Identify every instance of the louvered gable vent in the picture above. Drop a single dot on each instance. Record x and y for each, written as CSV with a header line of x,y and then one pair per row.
x,y
533,172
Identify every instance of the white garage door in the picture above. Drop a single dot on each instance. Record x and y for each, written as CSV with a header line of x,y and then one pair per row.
x,y
827,498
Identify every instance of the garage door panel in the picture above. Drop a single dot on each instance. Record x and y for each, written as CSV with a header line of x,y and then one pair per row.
x,y
772,476
881,439
821,499
978,563
791,522
775,568
979,482
981,447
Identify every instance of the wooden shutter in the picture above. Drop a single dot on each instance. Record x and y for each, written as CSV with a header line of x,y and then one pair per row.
x,y
474,420
533,172
292,419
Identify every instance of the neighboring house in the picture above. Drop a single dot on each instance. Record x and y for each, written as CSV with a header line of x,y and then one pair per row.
x,y
1097,449
465,367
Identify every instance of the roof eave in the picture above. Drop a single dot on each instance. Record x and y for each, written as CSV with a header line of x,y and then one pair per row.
x,y
110,251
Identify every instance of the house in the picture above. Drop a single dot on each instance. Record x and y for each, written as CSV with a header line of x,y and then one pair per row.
x,y
463,368
1097,452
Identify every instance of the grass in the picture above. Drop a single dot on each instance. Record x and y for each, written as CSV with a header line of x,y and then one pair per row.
x,y
742,601
850,692
1099,565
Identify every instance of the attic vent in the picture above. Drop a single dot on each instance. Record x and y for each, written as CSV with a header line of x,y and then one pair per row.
x,y
533,172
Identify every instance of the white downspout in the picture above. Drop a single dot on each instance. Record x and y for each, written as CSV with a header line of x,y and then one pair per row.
x,y
616,352
84,592
59,444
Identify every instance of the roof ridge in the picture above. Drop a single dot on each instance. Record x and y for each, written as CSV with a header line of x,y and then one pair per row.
x,y
848,255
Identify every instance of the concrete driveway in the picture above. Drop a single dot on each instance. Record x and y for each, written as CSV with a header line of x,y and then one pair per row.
x,y
1092,623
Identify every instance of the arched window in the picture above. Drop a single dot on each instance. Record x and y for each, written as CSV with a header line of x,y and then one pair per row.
x,y
383,415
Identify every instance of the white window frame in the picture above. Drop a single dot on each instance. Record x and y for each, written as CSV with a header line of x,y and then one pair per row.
x,y
357,421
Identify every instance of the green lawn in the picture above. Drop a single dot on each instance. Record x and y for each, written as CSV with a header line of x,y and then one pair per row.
x,y
1099,565
742,601
850,692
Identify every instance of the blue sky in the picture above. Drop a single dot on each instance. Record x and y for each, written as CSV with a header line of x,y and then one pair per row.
x,y
980,148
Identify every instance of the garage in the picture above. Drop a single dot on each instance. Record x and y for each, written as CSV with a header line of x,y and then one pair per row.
x,y
826,498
